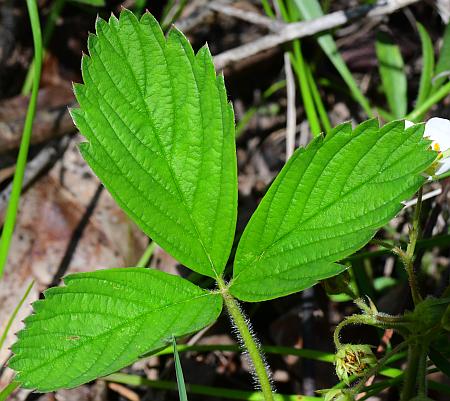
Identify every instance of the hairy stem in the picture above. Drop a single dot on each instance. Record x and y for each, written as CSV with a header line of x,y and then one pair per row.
x,y
380,364
409,387
354,319
251,346
422,372
408,257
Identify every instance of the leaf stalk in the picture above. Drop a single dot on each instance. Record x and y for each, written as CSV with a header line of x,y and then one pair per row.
x,y
249,342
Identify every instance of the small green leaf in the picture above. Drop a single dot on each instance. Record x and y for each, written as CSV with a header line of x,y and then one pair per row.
x,y
392,72
326,203
103,321
441,362
161,137
427,65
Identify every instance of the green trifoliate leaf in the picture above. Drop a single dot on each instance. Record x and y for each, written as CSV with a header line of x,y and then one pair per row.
x,y
326,203
103,321
161,137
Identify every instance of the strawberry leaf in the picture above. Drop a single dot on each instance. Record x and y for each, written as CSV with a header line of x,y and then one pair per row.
x,y
326,203
161,137
103,321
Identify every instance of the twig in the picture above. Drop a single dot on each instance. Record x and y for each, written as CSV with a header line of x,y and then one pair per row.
x,y
428,195
198,17
52,118
291,123
124,391
307,28
248,16
33,169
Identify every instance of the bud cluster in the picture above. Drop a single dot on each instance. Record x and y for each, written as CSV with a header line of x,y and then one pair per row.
x,y
353,360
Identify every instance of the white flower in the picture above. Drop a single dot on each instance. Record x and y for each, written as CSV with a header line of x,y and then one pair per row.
x,y
438,131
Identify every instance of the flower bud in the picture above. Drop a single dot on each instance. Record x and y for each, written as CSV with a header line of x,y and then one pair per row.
x,y
353,360
337,284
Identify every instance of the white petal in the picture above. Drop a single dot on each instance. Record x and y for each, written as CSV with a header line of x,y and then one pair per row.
x,y
438,130
444,166
408,124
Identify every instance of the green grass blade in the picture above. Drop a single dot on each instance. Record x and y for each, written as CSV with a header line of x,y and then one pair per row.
x,y
139,6
94,3
443,64
145,258
289,14
135,380
436,97
13,205
268,8
179,372
300,69
392,74
14,314
427,65
50,24
172,12
7,391
311,9
278,350
318,101
302,353
248,115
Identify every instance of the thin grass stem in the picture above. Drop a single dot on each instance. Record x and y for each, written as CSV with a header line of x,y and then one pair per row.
x,y
11,212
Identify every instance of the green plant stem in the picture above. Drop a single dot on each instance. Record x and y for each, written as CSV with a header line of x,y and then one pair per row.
x,y
14,314
145,258
7,391
422,372
354,319
52,19
300,352
11,212
428,103
325,357
135,380
373,371
251,346
409,256
382,243
409,386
